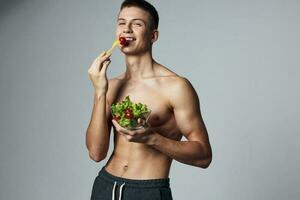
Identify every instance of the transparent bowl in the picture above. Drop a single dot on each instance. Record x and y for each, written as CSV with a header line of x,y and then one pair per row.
x,y
144,116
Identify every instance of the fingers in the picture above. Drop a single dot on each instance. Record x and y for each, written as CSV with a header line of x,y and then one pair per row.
x,y
104,67
102,61
119,128
123,130
103,56
141,121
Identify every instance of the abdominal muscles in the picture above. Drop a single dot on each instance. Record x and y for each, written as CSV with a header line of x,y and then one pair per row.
x,y
137,161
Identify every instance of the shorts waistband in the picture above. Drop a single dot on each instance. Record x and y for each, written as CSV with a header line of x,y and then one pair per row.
x,y
143,183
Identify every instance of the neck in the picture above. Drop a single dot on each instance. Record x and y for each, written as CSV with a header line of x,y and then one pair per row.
x,y
139,66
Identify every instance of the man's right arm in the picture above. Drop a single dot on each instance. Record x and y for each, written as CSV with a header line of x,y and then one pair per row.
x,y
98,131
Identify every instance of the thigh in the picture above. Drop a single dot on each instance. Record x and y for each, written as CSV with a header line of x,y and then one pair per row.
x,y
147,194
165,193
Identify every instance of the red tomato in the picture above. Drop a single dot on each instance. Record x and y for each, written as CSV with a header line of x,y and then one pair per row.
x,y
128,115
128,110
123,41
117,118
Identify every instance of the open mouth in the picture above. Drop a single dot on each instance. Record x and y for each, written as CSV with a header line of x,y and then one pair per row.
x,y
125,41
130,39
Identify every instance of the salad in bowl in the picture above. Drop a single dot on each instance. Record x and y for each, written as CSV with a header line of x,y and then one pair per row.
x,y
130,115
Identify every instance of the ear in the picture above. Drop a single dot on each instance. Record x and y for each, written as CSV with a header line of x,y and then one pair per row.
x,y
154,35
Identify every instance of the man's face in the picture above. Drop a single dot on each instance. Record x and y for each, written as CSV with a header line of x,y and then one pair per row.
x,y
133,23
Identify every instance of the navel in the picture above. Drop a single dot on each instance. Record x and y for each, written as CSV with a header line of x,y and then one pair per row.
x,y
125,167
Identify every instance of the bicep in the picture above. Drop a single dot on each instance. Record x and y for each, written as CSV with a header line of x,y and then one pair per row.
x,y
186,107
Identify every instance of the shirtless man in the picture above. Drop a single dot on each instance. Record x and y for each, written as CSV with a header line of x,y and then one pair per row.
x,y
140,163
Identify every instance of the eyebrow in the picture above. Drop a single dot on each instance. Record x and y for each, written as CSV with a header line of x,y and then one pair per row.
x,y
133,19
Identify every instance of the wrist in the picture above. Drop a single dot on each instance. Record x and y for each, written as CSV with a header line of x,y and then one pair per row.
x,y
154,139
99,94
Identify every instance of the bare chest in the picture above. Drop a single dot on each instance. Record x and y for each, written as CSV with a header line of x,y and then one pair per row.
x,y
155,95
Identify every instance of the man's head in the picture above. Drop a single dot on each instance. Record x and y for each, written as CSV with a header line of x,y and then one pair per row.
x,y
137,19
144,5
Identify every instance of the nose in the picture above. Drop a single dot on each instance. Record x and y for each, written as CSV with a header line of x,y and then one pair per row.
x,y
127,29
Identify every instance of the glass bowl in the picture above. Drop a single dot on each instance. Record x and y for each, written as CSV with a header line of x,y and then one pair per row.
x,y
144,116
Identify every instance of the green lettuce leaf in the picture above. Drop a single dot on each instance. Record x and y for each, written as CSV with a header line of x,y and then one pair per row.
x,y
138,110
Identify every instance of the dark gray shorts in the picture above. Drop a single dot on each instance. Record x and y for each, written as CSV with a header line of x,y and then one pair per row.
x,y
109,187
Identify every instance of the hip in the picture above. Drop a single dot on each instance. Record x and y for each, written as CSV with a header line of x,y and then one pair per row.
x,y
108,186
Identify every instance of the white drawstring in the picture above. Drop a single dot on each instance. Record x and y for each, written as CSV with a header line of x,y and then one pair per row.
x,y
120,195
113,192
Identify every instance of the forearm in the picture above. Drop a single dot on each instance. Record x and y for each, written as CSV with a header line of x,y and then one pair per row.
x,y
97,134
188,152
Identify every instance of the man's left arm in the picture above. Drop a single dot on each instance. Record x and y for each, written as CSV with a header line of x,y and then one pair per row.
x,y
186,106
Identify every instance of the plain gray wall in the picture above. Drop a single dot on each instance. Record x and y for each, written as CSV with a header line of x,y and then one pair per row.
x,y
242,57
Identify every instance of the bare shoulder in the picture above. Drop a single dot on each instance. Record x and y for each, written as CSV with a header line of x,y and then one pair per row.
x,y
178,84
183,84
181,92
178,89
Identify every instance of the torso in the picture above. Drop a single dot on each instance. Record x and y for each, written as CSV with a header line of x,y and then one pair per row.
x,y
137,160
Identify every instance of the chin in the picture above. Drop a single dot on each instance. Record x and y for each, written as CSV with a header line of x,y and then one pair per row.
x,y
130,51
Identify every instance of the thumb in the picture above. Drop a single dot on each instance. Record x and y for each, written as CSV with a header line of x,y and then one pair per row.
x,y
141,121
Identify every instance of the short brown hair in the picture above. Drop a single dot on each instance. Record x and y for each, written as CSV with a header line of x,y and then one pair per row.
x,y
146,6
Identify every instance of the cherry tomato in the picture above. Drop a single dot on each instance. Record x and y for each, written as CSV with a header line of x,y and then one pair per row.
x,y
128,110
128,115
117,118
123,41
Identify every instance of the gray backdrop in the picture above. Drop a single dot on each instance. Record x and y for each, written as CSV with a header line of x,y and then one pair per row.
x,y
242,57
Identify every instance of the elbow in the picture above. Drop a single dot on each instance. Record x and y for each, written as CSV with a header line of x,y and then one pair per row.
x,y
97,157
204,163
